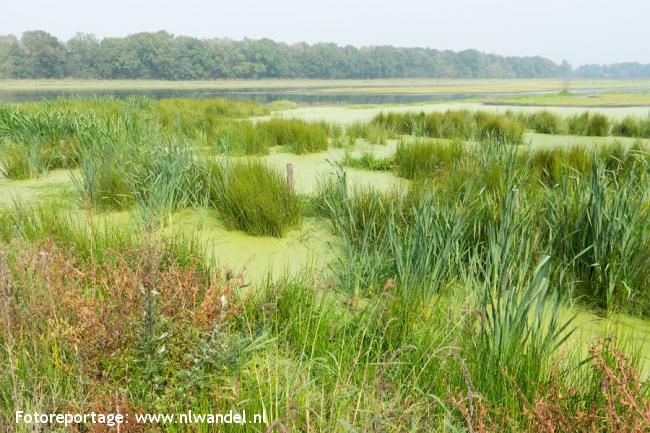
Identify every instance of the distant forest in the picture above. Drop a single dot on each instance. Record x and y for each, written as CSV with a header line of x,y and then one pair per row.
x,y
160,55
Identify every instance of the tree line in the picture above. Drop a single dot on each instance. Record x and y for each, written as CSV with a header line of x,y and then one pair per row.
x,y
161,55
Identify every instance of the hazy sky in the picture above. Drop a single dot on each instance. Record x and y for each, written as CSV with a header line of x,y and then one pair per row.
x,y
581,31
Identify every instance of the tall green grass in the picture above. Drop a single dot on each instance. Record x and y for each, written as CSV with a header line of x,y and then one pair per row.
x,y
544,122
463,125
632,127
297,136
425,158
594,124
521,325
241,138
368,161
374,133
22,160
253,197
599,227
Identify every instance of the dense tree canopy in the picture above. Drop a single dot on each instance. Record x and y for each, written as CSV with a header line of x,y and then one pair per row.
x,y
160,55
623,71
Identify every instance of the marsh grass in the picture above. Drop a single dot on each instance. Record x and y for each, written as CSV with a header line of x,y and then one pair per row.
x,y
600,228
240,138
253,197
427,158
632,127
584,124
21,161
201,118
248,138
444,315
297,136
374,133
462,125
368,161
171,180
590,124
544,122
60,128
108,156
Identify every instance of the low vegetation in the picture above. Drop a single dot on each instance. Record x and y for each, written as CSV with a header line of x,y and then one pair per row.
x,y
253,197
575,99
585,124
462,125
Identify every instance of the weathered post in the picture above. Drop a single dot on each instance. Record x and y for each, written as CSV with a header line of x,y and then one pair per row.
x,y
290,178
515,199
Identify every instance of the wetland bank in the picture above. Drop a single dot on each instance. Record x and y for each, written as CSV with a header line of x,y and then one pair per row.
x,y
446,267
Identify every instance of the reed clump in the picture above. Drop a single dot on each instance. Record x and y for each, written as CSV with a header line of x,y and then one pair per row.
x,y
368,161
590,124
297,136
240,138
253,197
200,119
544,122
463,125
427,158
374,133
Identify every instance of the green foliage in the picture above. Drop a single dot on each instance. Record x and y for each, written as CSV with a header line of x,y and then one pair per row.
x,y
200,118
444,313
463,125
163,56
368,161
241,138
372,132
109,156
552,165
296,135
599,227
425,158
22,160
544,122
391,236
585,124
632,127
497,128
595,125
521,325
253,197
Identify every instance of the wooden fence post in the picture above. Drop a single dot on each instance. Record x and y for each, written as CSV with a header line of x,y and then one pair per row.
x,y
290,177
515,199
